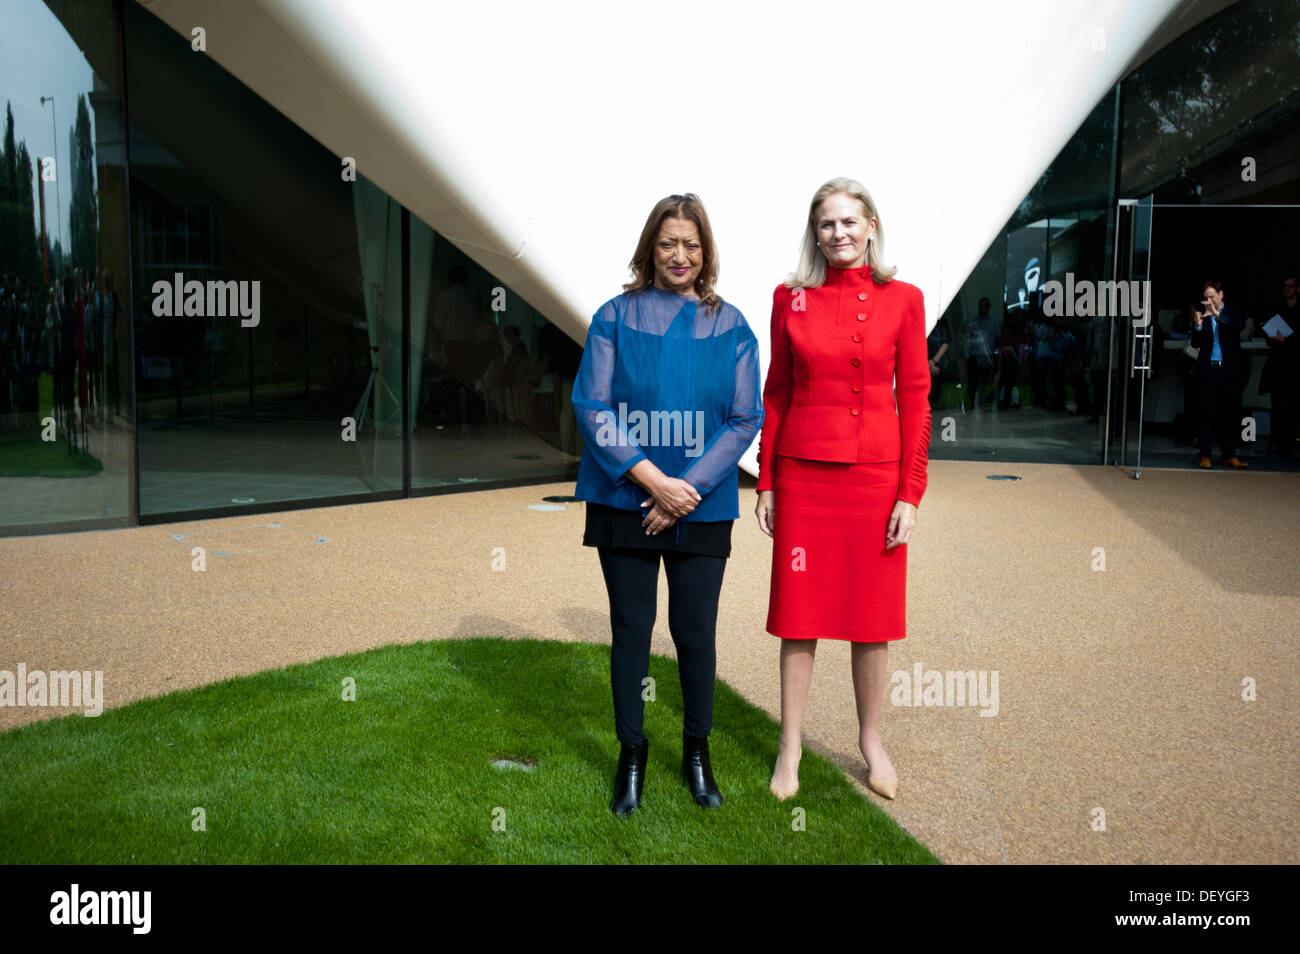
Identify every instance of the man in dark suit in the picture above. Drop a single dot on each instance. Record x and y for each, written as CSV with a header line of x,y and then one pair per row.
x,y
1216,331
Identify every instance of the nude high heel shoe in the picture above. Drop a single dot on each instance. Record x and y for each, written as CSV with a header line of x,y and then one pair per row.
x,y
781,794
883,789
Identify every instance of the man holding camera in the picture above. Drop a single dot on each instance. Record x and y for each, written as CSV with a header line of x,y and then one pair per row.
x,y
1216,331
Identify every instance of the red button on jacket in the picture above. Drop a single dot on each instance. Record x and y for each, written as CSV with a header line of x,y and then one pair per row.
x,y
803,398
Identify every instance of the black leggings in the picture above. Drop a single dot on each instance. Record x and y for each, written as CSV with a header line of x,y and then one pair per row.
x,y
694,582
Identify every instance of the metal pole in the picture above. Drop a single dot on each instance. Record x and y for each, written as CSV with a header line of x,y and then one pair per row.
x,y
1147,339
1128,330
1110,357
58,173
1142,393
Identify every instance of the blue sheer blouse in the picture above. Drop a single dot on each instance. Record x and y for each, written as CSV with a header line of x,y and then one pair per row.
x,y
662,378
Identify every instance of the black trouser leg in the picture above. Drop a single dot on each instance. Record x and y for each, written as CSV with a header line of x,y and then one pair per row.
x,y
1210,385
694,583
1216,412
632,582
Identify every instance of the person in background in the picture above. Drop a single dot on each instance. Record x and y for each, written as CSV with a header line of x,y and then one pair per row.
x,y
1042,365
1280,379
982,335
1017,342
486,360
561,356
1075,361
514,376
1216,332
1097,338
111,318
1056,345
457,332
937,343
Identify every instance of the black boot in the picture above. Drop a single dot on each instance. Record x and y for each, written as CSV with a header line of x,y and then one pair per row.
x,y
629,779
697,771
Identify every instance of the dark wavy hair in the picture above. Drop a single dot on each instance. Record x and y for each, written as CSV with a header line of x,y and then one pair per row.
x,y
642,266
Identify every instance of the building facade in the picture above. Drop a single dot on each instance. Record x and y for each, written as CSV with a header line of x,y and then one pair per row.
x,y
206,311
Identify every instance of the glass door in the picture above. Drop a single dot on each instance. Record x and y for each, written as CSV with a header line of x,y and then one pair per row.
x,y
1154,401
1128,307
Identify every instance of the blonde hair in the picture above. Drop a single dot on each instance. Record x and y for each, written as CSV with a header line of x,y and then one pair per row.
x,y
811,271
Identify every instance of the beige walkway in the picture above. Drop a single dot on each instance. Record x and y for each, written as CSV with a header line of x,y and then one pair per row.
x,y
1118,690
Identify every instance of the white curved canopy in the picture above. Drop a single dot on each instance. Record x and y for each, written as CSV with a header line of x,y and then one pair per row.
x,y
536,137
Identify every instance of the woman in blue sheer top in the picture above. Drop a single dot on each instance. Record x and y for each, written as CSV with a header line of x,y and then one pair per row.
x,y
667,399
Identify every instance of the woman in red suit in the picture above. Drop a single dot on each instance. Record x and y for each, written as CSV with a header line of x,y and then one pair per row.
x,y
841,471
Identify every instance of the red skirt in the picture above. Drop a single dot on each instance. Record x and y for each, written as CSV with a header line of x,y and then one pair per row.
x,y
832,577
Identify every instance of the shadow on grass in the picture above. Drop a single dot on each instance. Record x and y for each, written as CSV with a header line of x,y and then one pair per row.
x,y
278,768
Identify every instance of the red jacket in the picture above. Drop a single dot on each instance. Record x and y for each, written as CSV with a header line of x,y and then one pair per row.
x,y
830,385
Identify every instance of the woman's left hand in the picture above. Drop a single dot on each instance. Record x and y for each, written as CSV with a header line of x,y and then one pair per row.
x,y
656,521
901,522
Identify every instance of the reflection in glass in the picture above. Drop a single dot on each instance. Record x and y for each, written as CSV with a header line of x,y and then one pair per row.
x,y
492,376
1226,91
65,433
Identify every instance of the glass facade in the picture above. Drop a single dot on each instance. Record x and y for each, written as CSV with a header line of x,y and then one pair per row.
x,y
298,336
202,314
1207,128
66,427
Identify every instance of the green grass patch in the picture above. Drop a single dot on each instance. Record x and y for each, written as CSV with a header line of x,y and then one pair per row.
x,y
289,773
30,456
